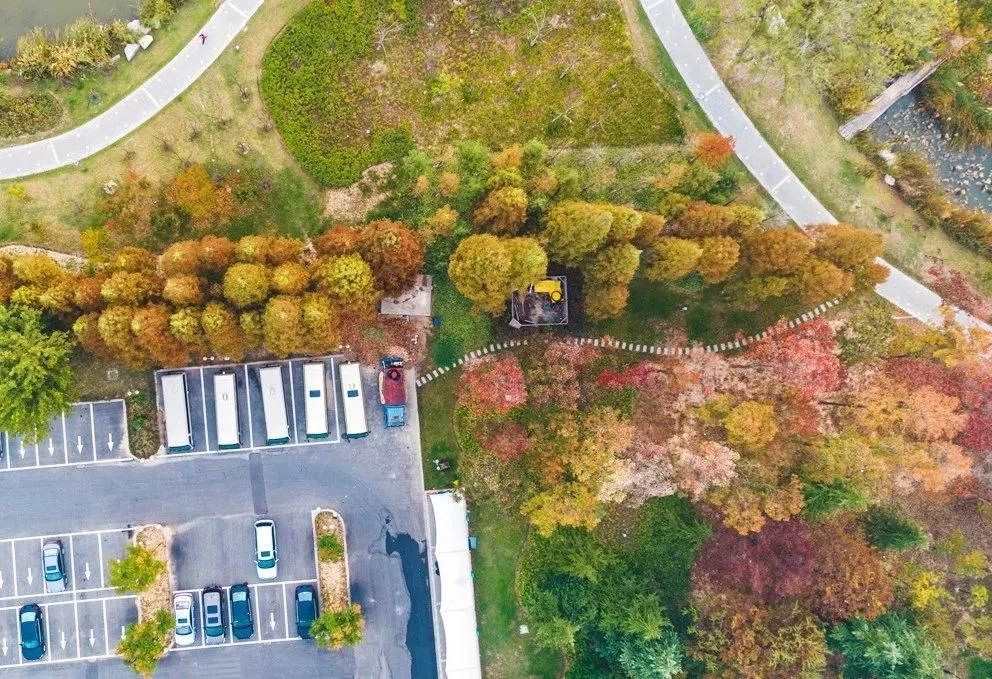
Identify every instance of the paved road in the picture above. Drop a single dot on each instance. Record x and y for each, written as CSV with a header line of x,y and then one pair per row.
x,y
137,108
375,483
764,163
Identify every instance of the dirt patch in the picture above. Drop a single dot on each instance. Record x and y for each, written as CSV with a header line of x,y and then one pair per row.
x,y
353,203
332,576
156,539
68,261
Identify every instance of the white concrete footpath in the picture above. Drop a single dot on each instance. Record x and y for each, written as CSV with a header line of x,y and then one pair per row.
x,y
137,108
765,164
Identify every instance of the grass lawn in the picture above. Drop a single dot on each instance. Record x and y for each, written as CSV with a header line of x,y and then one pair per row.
x,y
797,122
205,124
460,331
442,73
93,93
654,315
505,653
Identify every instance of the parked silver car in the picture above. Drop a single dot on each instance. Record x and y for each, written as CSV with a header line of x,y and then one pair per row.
x,y
53,566
182,607
214,627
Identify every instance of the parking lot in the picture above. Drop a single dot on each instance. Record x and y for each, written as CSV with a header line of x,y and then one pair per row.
x,y
90,433
220,552
200,397
84,622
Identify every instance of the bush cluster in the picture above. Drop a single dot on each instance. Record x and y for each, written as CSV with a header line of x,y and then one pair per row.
x,y
86,43
27,113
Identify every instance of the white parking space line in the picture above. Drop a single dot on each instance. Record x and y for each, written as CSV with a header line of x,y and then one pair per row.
x,y
13,561
292,400
6,449
251,433
334,391
20,656
65,442
203,402
48,635
75,615
285,611
37,457
106,631
119,597
99,544
93,431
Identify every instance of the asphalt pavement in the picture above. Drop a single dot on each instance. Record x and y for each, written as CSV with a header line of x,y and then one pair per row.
x,y
375,483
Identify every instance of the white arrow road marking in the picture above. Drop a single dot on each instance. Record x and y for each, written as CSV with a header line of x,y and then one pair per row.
x,y
79,445
272,620
30,577
51,447
92,638
62,641
110,441
86,571
3,645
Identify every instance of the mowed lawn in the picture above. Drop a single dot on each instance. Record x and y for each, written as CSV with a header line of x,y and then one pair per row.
x,y
355,82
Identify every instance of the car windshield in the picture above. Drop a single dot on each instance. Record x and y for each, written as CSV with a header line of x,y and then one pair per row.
x,y
266,561
183,630
238,596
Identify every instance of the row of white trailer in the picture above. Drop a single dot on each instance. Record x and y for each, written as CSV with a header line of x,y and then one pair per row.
x,y
175,406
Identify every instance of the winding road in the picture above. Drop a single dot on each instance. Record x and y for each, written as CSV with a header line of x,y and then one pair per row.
x,y
764,163
137,108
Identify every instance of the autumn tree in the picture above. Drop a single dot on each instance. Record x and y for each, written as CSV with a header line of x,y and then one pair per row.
x,y
133,259
503,211
185,325
290,278
574,230
283,326
626,224
284,250
703,220
777,251
846,246
735,638
713,149
253,249
223,333
850,579
193,192
338,240
183,290
348,282
124,288
216,253
181,258
803,360
87,332
395,254
606,302
751,425
613,265
151,328
776,563
115,329
718,259
672,258
320,324
246,284
486,270
821,281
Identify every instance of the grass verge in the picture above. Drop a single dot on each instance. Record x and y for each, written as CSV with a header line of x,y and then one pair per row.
x,y
505,652
158,597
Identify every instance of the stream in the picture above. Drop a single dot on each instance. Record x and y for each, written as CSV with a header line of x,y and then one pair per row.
x,y
17,17
966,171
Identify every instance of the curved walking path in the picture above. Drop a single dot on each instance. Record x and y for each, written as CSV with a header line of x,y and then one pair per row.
x,y
764,163
137,108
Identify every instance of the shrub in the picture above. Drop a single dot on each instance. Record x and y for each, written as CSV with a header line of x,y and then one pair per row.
x,y
145,643
28,113
888,529
136,572
329,548
336,629
825,500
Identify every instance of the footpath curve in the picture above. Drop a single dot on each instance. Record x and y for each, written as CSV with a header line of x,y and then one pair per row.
x,y
764,163
137,108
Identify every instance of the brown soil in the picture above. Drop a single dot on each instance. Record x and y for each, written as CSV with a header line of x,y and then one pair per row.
x,y
353,203
156,539
332,577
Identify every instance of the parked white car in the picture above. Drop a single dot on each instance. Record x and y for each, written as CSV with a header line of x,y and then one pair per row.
x,y
266,552
182,607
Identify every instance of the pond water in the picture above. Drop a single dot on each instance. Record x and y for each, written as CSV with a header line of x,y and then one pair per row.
x,y
18,16
965,170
